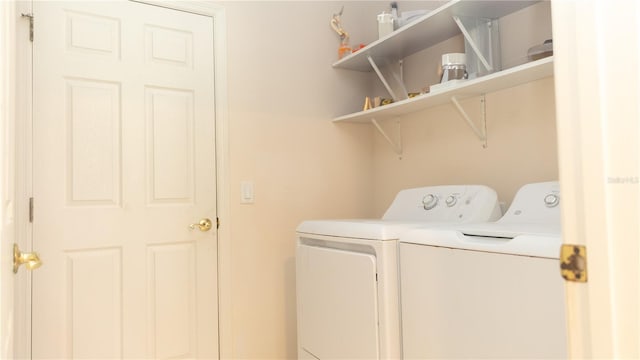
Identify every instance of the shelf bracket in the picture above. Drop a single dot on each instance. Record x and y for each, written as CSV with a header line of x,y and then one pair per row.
x,y
397,148
392,81
480,131
473,44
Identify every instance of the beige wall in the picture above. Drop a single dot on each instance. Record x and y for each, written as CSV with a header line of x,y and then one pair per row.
x,y
440,148
282,94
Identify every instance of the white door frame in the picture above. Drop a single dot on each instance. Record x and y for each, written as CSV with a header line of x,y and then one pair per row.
x,y
17,344
597,81
8,107
21,122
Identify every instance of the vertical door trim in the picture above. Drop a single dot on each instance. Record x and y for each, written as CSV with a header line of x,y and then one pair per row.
x,y
22,123
8,108
598,133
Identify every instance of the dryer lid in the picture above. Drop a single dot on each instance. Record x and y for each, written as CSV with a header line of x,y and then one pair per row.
x,y
380,230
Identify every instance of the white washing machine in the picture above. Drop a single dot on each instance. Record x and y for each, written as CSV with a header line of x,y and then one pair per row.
x,y
490,291
347,271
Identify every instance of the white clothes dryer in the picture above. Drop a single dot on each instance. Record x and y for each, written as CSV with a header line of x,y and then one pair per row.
x,y
347,271
492,290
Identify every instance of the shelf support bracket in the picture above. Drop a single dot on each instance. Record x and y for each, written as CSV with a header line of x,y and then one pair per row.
x,y
392,82
473,44
397,148
479,131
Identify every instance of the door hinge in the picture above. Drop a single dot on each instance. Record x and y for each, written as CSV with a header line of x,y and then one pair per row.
x,y
30,210
30,16
573,262
217,223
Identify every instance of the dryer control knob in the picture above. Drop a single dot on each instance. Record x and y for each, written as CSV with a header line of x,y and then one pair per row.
x,y
551,200
451,200
429,201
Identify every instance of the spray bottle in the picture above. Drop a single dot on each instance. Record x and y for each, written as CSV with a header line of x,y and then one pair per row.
x,y
394,14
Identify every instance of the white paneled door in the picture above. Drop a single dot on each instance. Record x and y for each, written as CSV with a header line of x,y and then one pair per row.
x,y
123,163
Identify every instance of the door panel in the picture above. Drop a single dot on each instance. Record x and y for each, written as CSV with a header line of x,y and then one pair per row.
x,y
124,162
85,270
93,146
170,149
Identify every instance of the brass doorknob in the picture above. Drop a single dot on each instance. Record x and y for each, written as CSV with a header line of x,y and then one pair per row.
x,y
204,225
30,260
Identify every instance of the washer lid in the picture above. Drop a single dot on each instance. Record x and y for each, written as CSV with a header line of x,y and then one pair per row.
x,y
509,230
526,244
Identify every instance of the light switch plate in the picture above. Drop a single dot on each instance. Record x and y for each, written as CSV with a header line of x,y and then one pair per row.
x,y
246,192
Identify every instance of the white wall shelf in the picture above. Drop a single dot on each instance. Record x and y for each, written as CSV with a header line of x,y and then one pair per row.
x,y
504,79
432,28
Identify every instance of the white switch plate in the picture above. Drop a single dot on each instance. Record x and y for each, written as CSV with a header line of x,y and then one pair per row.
x,y
246,192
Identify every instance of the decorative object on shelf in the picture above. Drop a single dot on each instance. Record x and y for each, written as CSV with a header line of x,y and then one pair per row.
x,y
358,47
541,51
344,48
367,103
380,101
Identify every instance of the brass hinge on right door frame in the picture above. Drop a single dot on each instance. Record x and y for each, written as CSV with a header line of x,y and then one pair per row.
x,y
31,210
30,16
573,262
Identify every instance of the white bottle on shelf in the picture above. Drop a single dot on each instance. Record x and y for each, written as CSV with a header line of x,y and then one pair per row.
x,y
385,24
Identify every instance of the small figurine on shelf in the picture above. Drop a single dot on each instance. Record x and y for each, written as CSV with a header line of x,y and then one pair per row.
x,y
367,104
344,48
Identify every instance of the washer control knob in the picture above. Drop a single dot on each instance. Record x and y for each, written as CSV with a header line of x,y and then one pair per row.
x,y
551,200
429,201
451,200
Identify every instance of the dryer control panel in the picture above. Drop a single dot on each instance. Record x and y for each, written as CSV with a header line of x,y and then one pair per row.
x,y
446,203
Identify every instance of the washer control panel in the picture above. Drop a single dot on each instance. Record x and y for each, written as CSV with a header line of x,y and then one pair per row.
x,y
446,203
535,203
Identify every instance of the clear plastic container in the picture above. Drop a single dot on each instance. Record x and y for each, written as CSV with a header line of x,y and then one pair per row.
x,y
453,67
